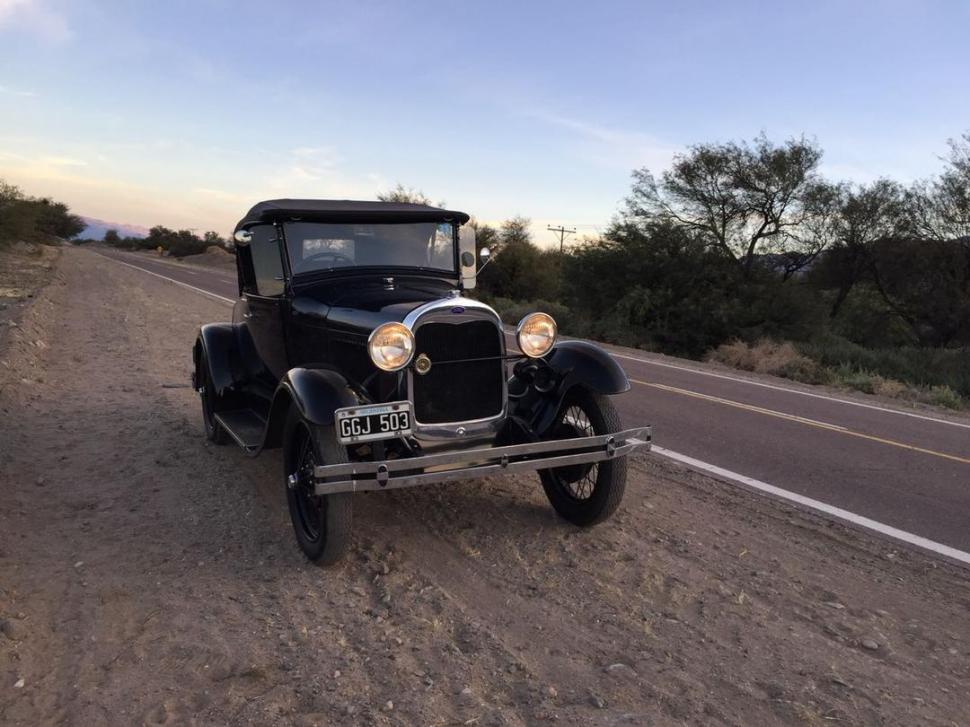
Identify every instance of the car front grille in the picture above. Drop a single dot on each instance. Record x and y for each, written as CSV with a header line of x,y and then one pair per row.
x,y
467,376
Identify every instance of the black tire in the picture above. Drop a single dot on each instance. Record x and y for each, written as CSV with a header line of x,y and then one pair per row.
x,y
322,523
586,494
213,430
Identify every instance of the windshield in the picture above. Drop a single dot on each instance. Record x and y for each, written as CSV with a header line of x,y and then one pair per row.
x,y
315,246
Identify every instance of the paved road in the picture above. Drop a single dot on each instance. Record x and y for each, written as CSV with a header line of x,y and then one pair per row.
x,y
904,469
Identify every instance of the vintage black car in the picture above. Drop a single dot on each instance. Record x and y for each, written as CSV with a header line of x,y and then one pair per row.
x,y
354,348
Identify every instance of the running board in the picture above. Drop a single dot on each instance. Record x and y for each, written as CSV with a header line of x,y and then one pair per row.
x,y
245,426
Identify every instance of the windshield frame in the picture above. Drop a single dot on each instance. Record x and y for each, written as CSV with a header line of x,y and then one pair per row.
x,y
453,273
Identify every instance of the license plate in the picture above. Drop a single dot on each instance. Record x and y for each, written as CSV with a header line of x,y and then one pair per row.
x,y
377,421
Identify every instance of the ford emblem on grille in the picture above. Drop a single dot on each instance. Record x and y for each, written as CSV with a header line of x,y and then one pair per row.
x,y
422,364
458,309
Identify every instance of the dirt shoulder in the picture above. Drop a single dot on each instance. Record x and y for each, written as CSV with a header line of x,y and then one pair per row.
x,y
146,577
24,269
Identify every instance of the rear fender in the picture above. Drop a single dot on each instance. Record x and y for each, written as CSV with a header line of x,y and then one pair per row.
x,y
218,342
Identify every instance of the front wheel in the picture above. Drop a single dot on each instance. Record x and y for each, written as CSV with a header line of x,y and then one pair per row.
x,y
322,523
586,494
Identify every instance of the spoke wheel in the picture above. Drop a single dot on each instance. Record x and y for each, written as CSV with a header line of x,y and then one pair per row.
x,y
586,494
577,480
321,523
310,508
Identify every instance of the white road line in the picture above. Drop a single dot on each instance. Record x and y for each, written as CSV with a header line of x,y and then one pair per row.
x,y
818,506
230,301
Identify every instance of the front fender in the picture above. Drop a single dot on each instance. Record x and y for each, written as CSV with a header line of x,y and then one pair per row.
x,y
578,362
316,393
218,342
540,386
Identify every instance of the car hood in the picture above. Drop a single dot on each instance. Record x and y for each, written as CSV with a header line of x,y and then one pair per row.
x,y
356,305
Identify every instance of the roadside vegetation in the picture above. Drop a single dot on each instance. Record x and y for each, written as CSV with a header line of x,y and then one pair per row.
x,y
744,254
32,220
741,252
174,243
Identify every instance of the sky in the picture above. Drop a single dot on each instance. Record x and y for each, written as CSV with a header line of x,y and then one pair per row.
x,y
187,113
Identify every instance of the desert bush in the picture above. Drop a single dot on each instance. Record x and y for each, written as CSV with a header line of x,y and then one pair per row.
x,y
890,388
770,357
942,396
787,360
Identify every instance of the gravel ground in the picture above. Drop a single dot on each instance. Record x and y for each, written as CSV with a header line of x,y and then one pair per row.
x,y
147,577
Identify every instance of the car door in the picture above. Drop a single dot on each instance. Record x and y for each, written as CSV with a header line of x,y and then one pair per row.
x,y
259,311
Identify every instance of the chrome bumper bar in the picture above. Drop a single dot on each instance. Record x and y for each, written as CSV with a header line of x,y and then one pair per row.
x,y
471,463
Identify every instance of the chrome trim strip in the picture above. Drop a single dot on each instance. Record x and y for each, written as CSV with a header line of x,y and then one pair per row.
x,y
438,434
436,305
450,466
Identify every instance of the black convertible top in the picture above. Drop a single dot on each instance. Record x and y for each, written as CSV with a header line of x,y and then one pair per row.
x,y
346,210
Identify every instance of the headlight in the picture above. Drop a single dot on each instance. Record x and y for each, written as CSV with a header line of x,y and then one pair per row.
x,y
536,334
391,346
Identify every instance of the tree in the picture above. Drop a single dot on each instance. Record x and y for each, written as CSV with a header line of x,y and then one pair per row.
x,y
211,238
178,243
744,200
17,220
30,218
940,208
54,219
111,237
849,221
520,270
485,236
655,285
400,193
927,284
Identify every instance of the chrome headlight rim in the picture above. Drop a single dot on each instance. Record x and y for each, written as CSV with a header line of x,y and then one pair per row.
x,y
519,329
409,347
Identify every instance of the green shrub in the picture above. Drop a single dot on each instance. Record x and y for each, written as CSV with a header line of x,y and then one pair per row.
x,y
943,396
920,367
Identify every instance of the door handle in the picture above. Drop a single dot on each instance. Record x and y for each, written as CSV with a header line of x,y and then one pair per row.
x,y
247,316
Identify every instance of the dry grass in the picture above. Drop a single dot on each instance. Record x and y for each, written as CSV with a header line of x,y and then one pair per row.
x,y
783,359
770,357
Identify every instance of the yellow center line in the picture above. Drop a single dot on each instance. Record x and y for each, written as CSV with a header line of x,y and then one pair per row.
x,y
803,420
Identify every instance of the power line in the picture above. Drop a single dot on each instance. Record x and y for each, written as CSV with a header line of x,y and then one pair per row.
x,y
562,234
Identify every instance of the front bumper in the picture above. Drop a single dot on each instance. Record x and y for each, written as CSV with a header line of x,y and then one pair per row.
x,y
471,463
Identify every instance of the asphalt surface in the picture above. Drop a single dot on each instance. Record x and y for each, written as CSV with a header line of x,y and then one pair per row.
x,y
859,454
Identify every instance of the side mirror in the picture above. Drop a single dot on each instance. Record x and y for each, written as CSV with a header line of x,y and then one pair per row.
x,y
485,255
243,237
466,256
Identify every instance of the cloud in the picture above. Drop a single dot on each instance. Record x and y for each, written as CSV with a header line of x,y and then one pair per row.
x,y
326,153
613,148
62,161
34,17
16,92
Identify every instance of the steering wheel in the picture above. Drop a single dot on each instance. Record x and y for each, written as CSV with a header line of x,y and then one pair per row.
x,y
335,256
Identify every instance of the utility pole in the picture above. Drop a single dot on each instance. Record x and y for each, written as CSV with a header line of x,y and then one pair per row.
x,y
562,231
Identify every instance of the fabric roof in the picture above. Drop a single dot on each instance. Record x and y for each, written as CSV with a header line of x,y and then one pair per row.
x,y
346,210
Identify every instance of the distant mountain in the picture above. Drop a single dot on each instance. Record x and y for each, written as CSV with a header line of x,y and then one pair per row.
x,y
96,228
